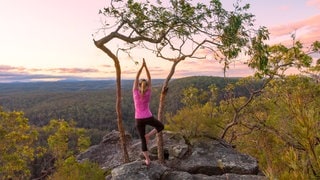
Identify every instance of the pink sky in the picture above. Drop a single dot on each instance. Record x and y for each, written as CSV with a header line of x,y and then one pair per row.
x,y
52,39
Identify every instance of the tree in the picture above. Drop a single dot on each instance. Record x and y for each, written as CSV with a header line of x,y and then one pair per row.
x,y
284,120
285,117
174,30
200,115
71,169
270,62
63,142
17,138
314,70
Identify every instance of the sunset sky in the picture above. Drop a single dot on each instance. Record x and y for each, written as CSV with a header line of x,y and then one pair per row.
x,y
52,39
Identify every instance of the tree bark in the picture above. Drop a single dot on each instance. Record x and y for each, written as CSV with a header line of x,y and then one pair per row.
x,y
117,66
119,114
160,117
163,94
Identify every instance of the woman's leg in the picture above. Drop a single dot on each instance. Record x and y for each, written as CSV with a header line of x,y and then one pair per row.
x,y
158,127
140,125
150,134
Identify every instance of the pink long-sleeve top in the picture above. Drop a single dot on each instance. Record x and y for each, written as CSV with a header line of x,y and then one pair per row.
x,y
141,104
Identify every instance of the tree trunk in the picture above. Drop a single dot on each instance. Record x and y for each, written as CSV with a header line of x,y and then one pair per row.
x,y
160,117
119,114
163,94
100,45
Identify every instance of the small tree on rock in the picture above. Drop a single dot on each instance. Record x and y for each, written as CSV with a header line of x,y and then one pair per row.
x,y
174,31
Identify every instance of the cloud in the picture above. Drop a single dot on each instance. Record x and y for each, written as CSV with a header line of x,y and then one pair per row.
x,y
127,73
314,3
22,74
213,68
74,70
25,77
284,8
306,31
107,66
6,68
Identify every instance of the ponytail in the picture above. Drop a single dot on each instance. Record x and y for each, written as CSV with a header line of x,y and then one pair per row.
x,y
143,85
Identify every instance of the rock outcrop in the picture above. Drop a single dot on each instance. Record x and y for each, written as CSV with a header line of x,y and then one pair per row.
x,y
200,158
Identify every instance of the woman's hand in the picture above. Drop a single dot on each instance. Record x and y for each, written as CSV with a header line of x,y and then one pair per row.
x,y
144,62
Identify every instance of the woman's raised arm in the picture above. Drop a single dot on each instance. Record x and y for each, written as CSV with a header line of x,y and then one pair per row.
x,y
148,74
136,81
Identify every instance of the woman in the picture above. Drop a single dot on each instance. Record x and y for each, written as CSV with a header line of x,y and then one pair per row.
x,y
141,96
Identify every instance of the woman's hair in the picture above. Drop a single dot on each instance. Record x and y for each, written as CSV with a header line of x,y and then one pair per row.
x,y
143,85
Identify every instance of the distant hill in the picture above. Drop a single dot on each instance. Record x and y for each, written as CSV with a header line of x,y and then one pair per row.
x,y
173,100
92,103
63,86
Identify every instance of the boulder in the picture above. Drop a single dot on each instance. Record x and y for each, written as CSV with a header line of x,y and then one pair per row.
x,y
138,170
180,175
201,158
108,153
211,157
175,146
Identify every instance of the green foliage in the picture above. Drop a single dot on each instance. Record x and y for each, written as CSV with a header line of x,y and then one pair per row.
x,y
65,139
194,122
59,140
276,59
95,112
72,170
285,120
193,96
315,69
17,138
178,29
20,147
202,83
93,109
235,36
197,118
259,52
280,127
316,46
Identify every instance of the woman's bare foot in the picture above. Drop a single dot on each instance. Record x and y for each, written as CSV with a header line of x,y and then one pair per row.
x,y
147,158
147,162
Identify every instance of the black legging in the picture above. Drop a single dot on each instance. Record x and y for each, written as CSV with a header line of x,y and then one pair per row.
x,y
141,126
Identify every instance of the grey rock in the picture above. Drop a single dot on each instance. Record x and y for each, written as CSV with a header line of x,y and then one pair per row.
x,y
176,175
228,176
211,157
137,170
201,158
108,153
